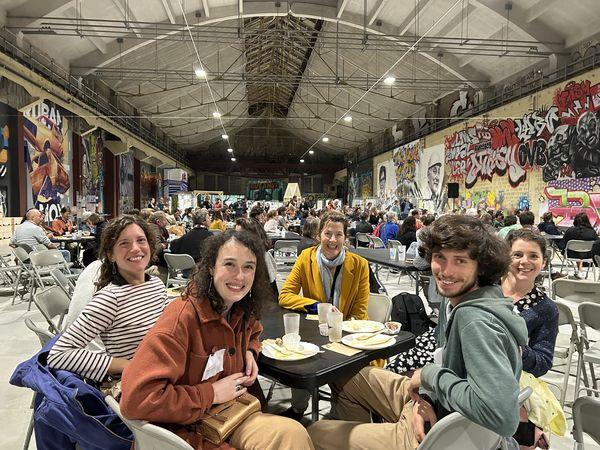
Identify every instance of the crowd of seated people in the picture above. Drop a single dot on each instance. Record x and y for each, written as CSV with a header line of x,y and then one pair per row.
x,y
484,266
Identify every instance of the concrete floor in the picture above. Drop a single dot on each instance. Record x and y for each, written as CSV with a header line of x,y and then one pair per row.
x,y
20,344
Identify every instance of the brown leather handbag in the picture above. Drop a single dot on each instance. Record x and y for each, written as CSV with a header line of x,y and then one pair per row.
x,y
217,424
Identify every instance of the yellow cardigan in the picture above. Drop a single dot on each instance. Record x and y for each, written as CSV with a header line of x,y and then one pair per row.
x,y
305,275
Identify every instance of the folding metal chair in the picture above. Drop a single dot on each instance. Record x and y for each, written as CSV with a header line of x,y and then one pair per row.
x,y
586,419
285,252
148,436
43,262
25,275
177,263
375,242
62,281
574,292
575,245
379,307
566,345
53,302
589,317
362,238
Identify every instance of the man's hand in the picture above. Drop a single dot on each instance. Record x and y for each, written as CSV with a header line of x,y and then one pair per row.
x,y
422,412
251,369
414,385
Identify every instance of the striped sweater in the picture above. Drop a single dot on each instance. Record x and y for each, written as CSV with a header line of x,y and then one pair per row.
x,y
121,315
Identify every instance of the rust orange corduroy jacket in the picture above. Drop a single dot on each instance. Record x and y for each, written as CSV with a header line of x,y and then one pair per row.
x,y
305,275
162,383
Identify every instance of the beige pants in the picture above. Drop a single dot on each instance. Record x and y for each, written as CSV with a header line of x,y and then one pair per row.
x,y
265,432
372,389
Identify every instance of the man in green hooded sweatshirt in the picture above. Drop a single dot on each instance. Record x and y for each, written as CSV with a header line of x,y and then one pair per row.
x,y
477,365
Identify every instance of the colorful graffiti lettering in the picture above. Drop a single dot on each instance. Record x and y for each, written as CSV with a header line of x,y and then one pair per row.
x,y
575,99
483,200
406,159
565,204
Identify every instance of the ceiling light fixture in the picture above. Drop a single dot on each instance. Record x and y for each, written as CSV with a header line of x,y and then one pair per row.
x,y
224,136
301,160
230,150
389,80
311,152
216,114
199,71
347,118
233,159
325,139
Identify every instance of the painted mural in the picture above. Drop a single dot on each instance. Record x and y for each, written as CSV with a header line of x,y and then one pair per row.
x,y
386,183
265,190
126,194
48,156
430,179
406,159
360,182
92,173
568,197
149,183
9,191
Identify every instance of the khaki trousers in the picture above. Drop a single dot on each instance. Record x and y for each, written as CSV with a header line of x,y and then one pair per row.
x,y
268,432
372,389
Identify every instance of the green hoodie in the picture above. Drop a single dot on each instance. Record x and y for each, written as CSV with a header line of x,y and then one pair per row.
x,y
481,361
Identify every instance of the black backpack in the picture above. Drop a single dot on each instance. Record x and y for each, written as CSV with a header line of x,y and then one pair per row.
x,y
408,309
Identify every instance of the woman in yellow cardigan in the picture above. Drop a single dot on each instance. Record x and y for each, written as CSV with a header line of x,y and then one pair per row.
x,y
328,274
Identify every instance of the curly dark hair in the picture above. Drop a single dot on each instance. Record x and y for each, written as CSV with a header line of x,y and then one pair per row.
x,y
409,224
254,227
457,232
200,285
110,235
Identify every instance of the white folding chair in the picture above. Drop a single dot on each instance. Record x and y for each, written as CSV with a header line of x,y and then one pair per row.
x,y
53,302
362,238
285,252
589,317
411,251
148,436
62,281
177,263
576,245
566,345
586,419
456,432
375,242
379,307
43,262
574,292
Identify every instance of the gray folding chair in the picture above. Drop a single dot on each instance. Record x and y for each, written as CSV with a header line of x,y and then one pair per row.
x,y
597,268
375,242
576,245
589,317
379,307
148,436
44,336
362,238
53,302
25,276
566,345
573,292
586,419
61,280
43,262
456,432
176,264
285,252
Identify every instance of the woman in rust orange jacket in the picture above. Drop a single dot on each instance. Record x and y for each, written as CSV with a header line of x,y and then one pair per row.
x,y
203,349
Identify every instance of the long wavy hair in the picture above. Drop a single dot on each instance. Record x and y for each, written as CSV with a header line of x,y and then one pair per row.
x,y
110,235
201,286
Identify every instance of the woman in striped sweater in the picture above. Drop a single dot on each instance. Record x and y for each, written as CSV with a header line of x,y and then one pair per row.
x,y
125,306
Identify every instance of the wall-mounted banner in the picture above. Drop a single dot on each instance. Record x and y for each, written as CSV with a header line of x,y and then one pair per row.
x,y
265,190
430,172
126,198
48,155
92,171
386,183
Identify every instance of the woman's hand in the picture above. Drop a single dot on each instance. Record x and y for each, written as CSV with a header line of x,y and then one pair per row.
x,y
251,369
229,388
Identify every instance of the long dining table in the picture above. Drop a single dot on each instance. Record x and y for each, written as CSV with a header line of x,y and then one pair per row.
x,y
322,368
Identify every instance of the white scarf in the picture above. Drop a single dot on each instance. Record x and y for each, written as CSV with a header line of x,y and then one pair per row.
x,y
327,277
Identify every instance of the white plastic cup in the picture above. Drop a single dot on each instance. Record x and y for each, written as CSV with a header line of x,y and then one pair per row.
x,y
324,329
291,341
291,323
393,253
322,310
334,320
401,252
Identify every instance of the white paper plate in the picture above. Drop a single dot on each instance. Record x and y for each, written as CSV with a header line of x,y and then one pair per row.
x,y
380,341
361,326
308,350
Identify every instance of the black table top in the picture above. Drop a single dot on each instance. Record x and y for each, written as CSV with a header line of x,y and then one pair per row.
x,y
288,237
322,368
381,256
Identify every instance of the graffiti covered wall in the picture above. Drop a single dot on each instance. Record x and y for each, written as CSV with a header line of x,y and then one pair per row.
x,y
47,148
92,171
126,193
9,172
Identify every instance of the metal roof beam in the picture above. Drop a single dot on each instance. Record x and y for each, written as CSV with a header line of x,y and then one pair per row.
x,y
376,10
